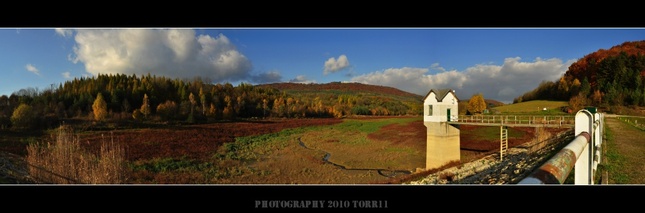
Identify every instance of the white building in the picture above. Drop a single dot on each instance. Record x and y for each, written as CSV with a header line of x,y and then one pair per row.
x,y
440,105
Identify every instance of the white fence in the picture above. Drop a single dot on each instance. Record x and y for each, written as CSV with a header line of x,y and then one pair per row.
x,y
582,155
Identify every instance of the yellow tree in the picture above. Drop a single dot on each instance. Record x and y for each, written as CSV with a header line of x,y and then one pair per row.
x,y
193,102
145,107
23,117
476,104
100,108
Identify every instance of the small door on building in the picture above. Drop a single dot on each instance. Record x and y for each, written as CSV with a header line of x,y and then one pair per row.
x,y
448,113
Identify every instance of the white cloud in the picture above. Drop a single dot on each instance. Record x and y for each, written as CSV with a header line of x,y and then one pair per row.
x,y
502,83
301,79
66,75
32,69
64,32
169,52
334,65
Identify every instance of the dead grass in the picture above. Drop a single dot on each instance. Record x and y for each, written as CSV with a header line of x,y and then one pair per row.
x,y
65,162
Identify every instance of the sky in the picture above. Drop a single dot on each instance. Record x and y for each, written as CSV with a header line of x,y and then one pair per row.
x,y
500,63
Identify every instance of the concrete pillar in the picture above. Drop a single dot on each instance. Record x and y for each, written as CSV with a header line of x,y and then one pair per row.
x,y
442,145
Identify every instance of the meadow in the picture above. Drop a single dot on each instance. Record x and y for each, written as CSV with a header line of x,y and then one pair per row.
x,y
537,107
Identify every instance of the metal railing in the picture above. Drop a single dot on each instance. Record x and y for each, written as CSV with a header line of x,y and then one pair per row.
x,y
557,169
517,120
581,155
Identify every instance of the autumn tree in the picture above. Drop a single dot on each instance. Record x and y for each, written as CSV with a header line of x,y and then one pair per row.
x,y
202,98
596,97
23,117
193,102
167,110
265,106
577,102
229,112
145,106
476,104
99,108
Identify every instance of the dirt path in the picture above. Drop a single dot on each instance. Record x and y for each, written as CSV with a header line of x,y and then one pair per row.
x,y
626,145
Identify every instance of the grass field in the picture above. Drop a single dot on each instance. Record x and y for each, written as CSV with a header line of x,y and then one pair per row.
x,y
533,107
624,149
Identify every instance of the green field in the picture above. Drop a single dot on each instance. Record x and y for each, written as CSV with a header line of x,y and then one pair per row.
x,y
533,107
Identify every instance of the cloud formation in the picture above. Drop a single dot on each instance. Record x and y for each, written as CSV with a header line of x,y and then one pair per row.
x,y
64,32
178,53
301,79
32,69
66,75
502,83
333,65
267,77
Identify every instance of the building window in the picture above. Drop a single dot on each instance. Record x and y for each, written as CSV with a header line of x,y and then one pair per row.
x,y
429,110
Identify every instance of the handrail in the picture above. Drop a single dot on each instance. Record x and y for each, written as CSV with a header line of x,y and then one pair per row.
x,y
531,120
582,154
557,169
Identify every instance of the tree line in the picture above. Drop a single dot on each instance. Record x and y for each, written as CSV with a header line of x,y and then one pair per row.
x,y
604,78
157,98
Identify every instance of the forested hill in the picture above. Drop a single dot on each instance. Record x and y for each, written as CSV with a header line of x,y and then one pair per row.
x,y
342,87
607,77
152,98
357,98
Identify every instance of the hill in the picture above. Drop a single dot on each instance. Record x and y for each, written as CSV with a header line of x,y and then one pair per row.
x,y
536,106
341,87
606,78
156,98
493,103
355,98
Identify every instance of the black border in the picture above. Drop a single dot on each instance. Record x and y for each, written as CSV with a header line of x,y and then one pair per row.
x,y
334,14
242,198
217,198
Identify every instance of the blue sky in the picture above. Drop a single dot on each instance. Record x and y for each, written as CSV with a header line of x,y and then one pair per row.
x,y
501,63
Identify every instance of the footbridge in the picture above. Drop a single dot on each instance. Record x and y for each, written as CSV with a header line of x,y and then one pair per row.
x,y
550,121
505,121
443,137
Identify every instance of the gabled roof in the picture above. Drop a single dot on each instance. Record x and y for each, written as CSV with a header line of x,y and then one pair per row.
x,y
441,93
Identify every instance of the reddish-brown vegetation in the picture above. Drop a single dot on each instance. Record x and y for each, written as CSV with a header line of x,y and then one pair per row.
x,y
580,68
200,142
474,142
413,132
194,141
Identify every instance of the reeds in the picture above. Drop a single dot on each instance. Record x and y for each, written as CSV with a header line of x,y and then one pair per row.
x,y
66,162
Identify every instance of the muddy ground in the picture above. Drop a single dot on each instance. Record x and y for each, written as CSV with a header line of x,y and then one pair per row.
x,y
200,141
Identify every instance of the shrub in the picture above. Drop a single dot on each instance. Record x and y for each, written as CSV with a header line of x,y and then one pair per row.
x,y
23,117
